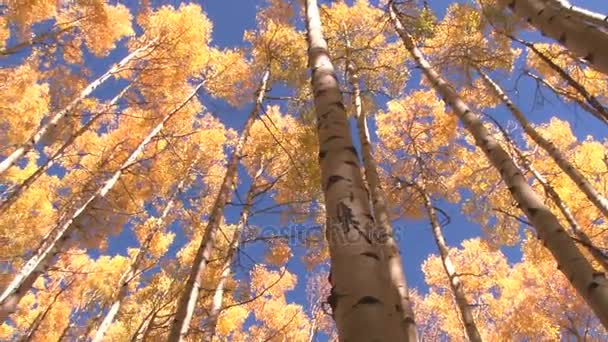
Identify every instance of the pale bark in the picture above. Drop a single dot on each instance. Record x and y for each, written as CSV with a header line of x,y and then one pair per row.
x,y
365,304
19,188
590,285
187,302
45,254
580,37
55,118
379,208
135,267
597,19
599,111
575,175
464,307
218,296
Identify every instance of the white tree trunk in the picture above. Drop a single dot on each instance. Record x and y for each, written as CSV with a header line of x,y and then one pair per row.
x,y
597,19
365,303
134,269
591,285
576,176
43,256
218,295
379,207
580,37
19,188
189,297
456,285
56,117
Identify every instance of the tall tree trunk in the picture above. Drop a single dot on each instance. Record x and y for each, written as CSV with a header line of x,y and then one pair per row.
x,y
591,285
379,208
19,188
136,264
54,118
599,111
464,307
187,302
43,256
580,37
576,176
365,303
218,295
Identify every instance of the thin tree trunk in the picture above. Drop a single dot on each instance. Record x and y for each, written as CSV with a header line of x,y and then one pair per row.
x,y
379,207
42,257
590,99
562,92
187,302
20,188
54,118
591,285
581,38
464,307
365,303
136,264
218,295
576,176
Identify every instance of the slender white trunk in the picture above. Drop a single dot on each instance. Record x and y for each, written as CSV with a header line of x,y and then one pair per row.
x,y
379,207
19,188
591,285
365,303
189,297
135,267
580,37
218,295
576,176
43,256
56,117
464,307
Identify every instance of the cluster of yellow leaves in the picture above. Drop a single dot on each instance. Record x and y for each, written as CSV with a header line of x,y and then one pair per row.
x,y
356,34
460,44
530,300
25,101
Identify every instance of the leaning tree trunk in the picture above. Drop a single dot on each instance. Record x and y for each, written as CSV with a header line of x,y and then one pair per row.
x,y
575,175
41,259
218,295
19,188
56,117
581,37
464,307
134,269
365,304
379,207
597,19
187,302
598,110
590,284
